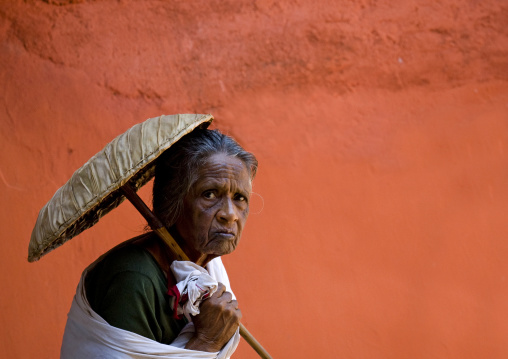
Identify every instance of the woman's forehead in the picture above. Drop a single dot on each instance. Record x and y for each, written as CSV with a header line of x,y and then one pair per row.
x,y
223,164
221,167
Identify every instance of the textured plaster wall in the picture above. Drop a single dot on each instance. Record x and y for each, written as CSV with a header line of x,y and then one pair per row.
x,y
381,128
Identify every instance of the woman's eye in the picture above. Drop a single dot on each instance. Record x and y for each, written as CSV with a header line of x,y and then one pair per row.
x,y
209,194
240,197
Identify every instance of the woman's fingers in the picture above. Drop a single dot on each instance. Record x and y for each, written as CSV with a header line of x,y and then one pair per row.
x,y
226,296
221,288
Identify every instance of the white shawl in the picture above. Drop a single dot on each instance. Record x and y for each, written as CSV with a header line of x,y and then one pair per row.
x,y
88,336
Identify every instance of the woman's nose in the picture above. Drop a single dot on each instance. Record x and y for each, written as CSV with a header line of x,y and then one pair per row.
x,y
227,212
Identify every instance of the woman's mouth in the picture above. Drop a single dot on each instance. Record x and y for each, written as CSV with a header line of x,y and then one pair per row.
x,y
226,235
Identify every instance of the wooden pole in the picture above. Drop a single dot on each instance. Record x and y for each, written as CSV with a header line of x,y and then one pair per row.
x,y
163,234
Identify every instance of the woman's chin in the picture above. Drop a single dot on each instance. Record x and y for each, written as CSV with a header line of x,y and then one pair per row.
x,y
221,246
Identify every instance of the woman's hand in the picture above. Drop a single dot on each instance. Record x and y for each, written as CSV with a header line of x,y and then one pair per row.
x,y
216,323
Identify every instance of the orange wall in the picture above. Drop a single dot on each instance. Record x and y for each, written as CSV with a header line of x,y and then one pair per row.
x,y
381,128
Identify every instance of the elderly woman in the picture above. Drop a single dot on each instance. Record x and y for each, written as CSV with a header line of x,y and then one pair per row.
x,y
201,193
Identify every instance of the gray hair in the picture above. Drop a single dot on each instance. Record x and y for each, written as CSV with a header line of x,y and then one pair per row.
x,y
177,169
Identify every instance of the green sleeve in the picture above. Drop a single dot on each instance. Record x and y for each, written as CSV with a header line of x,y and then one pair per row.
x,y
131,303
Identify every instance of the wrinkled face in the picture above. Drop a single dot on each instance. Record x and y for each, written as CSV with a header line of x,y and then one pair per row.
x,y
216,208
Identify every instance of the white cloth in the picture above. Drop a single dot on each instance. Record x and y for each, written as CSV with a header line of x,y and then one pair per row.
x,y
193,283
88,336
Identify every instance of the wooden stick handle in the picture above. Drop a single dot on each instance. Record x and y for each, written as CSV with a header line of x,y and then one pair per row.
x,y
153,222
163,234
249,338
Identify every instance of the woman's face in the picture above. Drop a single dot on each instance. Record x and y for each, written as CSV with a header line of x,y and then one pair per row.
x,y
216,208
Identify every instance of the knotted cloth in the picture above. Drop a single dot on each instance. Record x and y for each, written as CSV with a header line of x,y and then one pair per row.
x,y
88,336
193,285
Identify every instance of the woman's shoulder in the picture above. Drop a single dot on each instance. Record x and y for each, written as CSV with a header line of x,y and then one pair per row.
x,y
128,256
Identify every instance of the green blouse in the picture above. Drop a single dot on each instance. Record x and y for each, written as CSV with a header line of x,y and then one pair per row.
x,y
129,290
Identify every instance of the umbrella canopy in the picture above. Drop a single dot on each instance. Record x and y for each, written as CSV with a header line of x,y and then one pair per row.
x,y
93,190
